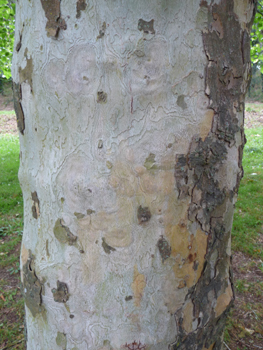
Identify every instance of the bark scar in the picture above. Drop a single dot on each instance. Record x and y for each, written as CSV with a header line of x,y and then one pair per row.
x,y
35,206
60,294
81,6
20,118
32,288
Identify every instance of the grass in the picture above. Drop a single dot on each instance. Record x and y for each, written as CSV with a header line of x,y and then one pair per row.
x,y
254,107
244,328
11,201
248,224
11,226
12,317
7,112
245,325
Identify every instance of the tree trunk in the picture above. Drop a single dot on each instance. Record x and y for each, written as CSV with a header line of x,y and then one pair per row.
x,y
131,129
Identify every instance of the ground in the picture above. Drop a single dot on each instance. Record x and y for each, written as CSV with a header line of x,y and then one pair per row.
x,y
247,314
245,325
254,115
7,120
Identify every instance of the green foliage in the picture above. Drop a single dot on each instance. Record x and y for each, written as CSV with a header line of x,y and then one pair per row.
x,y
7,27
257,38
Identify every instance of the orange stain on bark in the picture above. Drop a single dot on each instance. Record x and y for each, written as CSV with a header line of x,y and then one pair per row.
x,y
138,285
223,301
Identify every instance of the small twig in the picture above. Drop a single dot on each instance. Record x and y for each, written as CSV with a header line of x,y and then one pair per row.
x,y
226,345
10,346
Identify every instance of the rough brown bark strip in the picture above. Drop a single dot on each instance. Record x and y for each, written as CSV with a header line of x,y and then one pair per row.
x,y
227,49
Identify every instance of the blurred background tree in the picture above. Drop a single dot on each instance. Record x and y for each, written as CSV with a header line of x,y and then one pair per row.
x,y
256,87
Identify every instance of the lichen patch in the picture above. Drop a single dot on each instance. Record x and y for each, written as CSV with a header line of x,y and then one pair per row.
x,y
79,215
61,340
150,162
181,102
63,234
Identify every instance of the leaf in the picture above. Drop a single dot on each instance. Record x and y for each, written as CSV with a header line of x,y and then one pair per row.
x,y
249,331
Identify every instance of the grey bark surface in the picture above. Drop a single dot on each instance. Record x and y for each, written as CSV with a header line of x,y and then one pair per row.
x,y
131,122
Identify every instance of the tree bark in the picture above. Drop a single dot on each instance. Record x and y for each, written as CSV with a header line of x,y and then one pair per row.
x,y
131,130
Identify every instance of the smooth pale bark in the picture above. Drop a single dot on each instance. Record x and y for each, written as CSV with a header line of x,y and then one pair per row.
x,y
131,123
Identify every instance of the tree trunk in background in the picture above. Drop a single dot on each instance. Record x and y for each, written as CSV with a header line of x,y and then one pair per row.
x,y
131,129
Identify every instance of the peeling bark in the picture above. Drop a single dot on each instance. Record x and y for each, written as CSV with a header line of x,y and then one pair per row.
x,y
25,74
54,20
17,95
108,249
